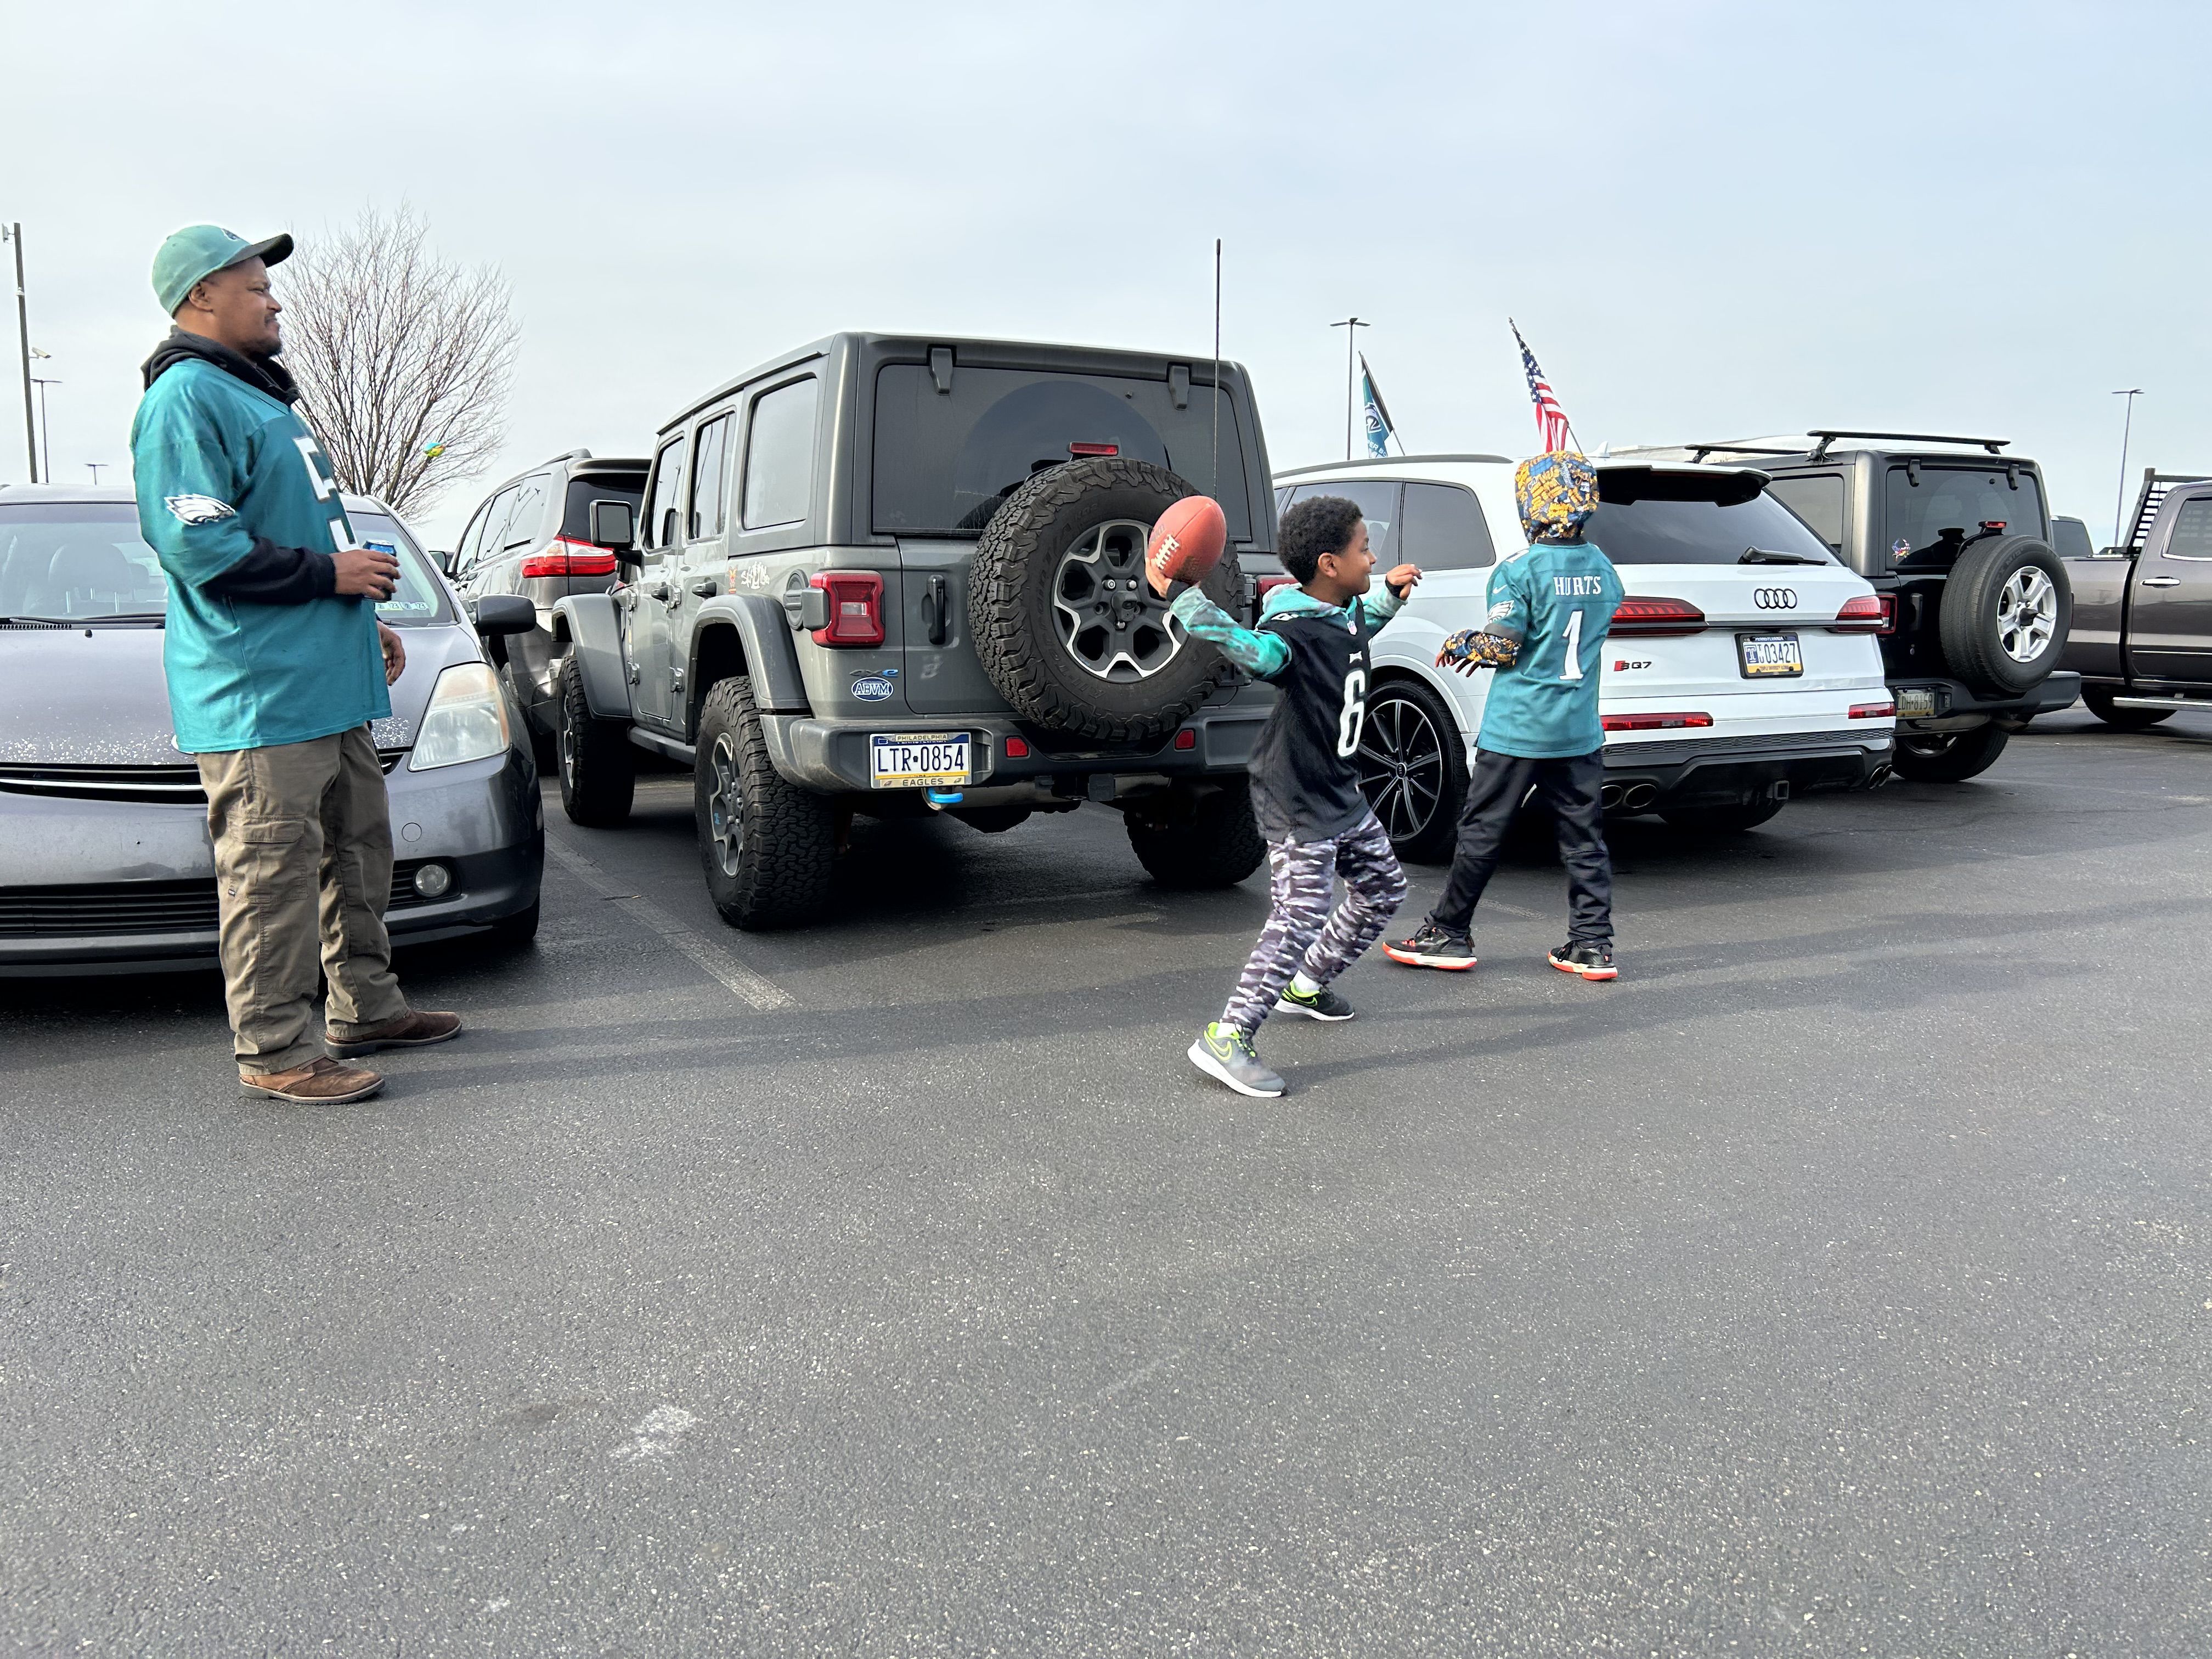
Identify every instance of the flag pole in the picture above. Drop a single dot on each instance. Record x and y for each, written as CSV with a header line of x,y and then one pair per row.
x,y
1351,325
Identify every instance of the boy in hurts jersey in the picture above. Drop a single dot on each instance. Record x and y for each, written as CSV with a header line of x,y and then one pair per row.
x,y
1550,607
1312,646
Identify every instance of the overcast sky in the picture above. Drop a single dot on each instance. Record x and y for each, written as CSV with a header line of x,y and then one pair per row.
x,y
1710,219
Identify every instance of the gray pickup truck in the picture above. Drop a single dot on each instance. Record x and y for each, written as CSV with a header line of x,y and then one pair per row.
x,y
902,575
2143,611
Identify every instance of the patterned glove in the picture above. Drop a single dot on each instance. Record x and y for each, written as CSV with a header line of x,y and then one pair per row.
x,y
1483,649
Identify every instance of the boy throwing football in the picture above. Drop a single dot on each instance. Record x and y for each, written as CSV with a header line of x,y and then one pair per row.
x,y
1312,646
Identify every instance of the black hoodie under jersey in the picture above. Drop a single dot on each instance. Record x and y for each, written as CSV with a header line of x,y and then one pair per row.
x,y
270,575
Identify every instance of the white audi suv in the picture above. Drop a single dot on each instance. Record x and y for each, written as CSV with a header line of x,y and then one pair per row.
x,y
1742,668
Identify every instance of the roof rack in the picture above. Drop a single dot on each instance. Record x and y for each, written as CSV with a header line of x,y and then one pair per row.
x,y
1739,446
567,455
1382,461
2154,487
1820,450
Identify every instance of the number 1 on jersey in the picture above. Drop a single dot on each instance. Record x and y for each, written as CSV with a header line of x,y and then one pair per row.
x,y
1573,668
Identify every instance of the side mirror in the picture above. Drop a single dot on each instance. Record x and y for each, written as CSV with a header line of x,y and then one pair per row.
x,y
501,613
614,525
443,559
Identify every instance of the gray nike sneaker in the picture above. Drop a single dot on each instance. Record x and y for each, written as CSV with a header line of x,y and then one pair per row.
x,y
1324,1004
1224,1052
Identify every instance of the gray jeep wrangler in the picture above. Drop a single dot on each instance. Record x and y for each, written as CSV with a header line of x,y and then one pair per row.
x,y
903,577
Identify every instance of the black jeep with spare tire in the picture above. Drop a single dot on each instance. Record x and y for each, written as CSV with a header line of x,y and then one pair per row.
x,y
902,575
1955,536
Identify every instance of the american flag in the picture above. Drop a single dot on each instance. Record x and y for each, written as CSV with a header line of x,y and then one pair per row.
x,y
1552,424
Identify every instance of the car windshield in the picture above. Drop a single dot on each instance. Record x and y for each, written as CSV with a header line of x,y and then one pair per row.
x,y
81,561
1701,532
944,461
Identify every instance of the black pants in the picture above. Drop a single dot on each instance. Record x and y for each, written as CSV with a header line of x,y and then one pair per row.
x,y
1569,789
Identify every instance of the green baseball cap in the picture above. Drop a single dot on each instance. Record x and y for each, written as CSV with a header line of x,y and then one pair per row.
x,y
198,251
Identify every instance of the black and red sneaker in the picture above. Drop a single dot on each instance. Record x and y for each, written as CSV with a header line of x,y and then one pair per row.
x,y
1587,957
1432,947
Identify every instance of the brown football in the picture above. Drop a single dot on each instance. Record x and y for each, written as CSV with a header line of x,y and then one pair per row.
x,y
1188,542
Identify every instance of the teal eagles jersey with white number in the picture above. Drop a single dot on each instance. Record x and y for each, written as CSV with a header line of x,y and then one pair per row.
x,y
217,464
1560,597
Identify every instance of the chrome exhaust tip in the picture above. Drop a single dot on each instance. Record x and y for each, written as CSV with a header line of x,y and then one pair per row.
x,y
1881,775
1638,796
1609,796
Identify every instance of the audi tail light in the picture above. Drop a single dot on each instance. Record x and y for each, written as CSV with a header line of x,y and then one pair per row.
x,y
566,555
1873,711
1867,614
1652,722
856,607
1888,614
1658,619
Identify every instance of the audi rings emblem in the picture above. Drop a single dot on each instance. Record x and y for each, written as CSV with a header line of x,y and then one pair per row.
x,y
1775,599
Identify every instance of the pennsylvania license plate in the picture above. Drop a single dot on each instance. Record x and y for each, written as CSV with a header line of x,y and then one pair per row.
x,y
1769,656
919,760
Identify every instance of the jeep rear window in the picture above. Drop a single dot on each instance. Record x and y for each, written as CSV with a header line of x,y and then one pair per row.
x,y
944,460
1931,518
1700,533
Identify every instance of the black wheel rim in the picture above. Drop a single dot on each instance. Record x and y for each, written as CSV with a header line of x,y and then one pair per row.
x,y
1402,766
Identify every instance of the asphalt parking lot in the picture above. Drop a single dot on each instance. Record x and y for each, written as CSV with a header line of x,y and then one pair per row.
x,y
1840,1281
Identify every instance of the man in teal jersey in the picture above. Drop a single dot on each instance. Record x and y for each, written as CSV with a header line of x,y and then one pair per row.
x,y
276,666
1550,607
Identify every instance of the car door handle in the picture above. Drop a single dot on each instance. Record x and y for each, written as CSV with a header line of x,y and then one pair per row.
x,y
934,603
2161,581
655,590
705,588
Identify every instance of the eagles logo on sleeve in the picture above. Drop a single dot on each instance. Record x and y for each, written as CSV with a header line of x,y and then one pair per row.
x,y
198,509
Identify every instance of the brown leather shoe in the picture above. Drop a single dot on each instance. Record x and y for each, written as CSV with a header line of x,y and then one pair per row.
x,y
417,1028
319,1083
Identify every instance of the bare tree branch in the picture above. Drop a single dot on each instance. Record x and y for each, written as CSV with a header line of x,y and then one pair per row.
x,y
398,355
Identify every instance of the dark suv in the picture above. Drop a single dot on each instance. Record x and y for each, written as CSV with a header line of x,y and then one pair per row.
x,y
904,575
1955,537
532,536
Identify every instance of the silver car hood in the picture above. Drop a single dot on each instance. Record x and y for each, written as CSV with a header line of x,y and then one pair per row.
x,y
96,697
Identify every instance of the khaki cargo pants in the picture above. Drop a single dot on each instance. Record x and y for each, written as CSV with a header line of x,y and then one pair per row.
x,y
302,837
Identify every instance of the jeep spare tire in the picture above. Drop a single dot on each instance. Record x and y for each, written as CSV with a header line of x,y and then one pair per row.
x,y
2006,610
1066,624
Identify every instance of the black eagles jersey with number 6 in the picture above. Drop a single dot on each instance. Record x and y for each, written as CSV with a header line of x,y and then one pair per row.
x,y
1306,772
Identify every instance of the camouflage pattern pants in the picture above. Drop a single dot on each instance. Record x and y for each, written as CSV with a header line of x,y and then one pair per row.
x,y
1302,931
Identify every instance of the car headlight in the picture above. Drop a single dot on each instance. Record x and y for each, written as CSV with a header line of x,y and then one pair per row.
x,y
466,719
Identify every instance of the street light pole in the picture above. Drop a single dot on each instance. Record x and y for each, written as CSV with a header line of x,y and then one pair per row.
x,y
44,443
15,234
1351,325
2127,428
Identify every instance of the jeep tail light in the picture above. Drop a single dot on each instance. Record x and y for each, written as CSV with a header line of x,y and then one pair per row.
x,y
567,555
856,607
1652,722
1658,619
1079,451
1866,614
1873,711
1269,584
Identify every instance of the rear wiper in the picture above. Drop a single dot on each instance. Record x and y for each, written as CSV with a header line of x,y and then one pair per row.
x,y
1760,555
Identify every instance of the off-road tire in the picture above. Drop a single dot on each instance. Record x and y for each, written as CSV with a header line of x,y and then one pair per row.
x,y
1947,757
1967,623
2099,701
595,762
786,836
1010,611
1723,820
1432,841
1210,842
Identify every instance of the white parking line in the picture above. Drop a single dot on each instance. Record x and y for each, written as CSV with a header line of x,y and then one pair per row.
x,y
741,981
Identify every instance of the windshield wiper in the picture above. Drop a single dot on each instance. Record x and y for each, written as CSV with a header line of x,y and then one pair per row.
x,y
86,621
1760,555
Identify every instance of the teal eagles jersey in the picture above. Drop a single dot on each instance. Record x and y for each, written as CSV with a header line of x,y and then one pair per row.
x,y
218,465
1560,597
